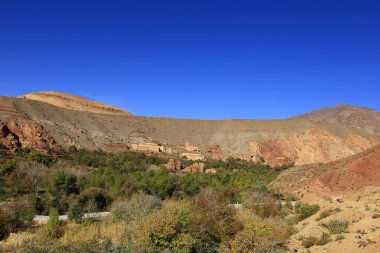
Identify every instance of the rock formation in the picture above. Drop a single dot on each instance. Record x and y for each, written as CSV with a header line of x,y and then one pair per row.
x,y
25,134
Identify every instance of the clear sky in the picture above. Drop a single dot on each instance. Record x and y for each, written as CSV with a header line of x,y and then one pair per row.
x,y
207,59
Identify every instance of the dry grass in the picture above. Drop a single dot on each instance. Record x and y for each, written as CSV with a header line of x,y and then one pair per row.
x,y
117,232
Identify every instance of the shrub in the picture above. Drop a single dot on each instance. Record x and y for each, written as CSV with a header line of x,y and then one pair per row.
x,y
4,225
262,204
166,230
14,217
375,215
309,241
336,226
139,205
212,221
95,231
257,235
97,197
53,226
7,167
63,183
76,211
326,213
305,210
39,157
312,240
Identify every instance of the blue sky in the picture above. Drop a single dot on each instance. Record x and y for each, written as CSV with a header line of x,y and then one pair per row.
x,y
195,59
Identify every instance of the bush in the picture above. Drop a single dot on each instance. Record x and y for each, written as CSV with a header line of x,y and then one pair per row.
x,y
336,226
166,230
309,241
212,221
139,205
53,226
97,197
4,225
7,167
76,211
63,183
39,157
14,217
305,210
257,235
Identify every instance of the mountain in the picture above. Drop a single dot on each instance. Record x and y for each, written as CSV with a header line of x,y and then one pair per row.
x,y
362,118
73,102
49,120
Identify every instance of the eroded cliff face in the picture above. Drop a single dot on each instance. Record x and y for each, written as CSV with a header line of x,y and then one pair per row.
x,y
313,146
25,134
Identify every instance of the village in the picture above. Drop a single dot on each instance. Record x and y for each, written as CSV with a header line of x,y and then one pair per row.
x,y
190,152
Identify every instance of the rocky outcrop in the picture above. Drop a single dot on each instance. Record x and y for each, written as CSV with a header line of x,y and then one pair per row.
x,y
25,134
8,139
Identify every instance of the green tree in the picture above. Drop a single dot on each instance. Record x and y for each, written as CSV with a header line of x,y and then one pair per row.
x,y
63,183
40,157
76,211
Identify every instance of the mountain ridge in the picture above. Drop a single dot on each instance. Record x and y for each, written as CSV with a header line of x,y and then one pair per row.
x,y
360,117
298,140
74,102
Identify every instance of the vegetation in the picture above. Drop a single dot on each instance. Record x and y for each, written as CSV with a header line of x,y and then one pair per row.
x,y
305,210
152,208
336,226
326,213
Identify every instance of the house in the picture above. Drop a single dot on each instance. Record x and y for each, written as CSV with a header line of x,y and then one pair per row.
x,y
151,147
190,148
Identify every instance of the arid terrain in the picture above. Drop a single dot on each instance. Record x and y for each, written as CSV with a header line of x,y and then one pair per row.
x,y
362,118
351,186
73,121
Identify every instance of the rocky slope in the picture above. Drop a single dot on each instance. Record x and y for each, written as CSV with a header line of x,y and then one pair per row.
x,y
360,210
347,190
276,141
362,118
340,177
72,102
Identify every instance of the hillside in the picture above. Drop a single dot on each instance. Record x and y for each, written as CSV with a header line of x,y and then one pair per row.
x,y
276,141
346,190
363,118
73,102
341,177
